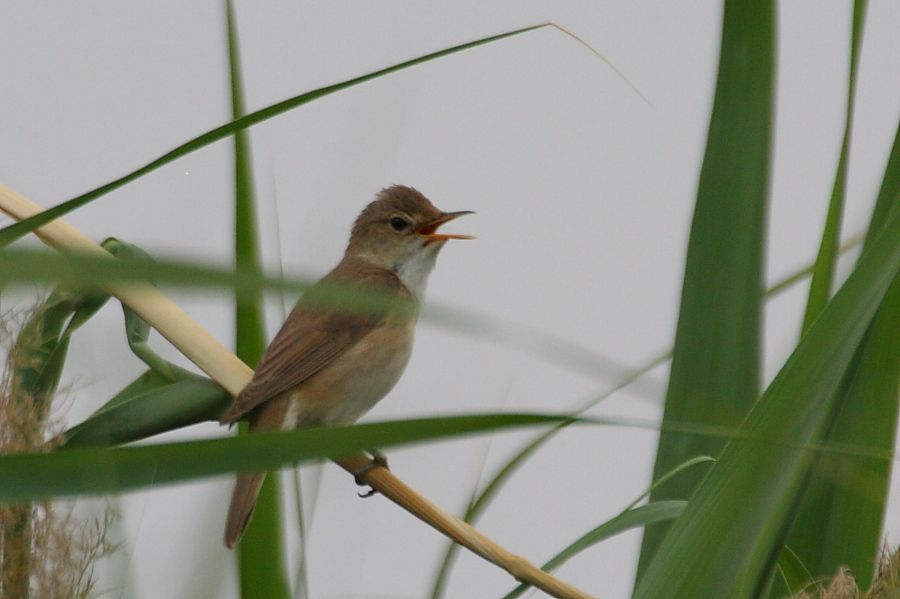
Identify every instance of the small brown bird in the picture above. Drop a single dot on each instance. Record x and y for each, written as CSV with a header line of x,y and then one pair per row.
x,y
330,366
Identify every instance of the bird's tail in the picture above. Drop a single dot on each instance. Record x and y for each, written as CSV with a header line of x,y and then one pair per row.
x,y
242,502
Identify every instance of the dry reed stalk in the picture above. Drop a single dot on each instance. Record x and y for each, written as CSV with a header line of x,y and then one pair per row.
x,y
232,374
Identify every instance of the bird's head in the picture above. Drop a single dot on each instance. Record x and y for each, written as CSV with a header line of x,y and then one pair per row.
x,y
399,231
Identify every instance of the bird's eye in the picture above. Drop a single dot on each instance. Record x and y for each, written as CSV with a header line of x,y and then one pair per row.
x,y
399,224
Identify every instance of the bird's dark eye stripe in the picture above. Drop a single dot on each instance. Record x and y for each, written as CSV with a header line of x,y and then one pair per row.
x,y
398,224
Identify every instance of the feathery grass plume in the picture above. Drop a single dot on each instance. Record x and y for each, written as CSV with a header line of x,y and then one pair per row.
x,y
843,586
18,432
45,551
887,579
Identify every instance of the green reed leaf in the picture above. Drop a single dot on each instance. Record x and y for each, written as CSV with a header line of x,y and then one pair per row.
x,y
94,471
840,520
750,496
715,373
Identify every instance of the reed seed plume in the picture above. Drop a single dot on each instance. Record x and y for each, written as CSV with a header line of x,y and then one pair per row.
x,y
844,585
46,551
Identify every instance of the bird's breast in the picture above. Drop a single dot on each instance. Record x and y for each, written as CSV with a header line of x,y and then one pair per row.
x,y
356,380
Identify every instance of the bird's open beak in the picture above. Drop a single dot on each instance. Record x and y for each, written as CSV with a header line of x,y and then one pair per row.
x,y
430,233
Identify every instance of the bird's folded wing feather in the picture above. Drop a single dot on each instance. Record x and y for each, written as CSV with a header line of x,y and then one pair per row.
x,y
313,336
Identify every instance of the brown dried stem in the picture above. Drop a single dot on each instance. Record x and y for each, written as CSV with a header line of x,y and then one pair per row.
x,y
228,371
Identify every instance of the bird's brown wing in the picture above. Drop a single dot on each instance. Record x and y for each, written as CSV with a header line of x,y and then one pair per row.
x,y
314,335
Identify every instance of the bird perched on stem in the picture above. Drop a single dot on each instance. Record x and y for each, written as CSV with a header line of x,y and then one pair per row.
x,y
329,364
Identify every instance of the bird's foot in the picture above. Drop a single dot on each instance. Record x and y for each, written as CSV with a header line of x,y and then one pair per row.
x,y
378,461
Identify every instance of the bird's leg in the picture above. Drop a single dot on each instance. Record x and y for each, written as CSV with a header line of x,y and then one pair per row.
x,y
378,460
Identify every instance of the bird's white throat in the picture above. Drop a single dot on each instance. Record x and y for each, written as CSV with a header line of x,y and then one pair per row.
x,y
414,271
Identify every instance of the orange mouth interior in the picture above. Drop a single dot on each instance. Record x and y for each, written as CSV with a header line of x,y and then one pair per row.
x,y
430,233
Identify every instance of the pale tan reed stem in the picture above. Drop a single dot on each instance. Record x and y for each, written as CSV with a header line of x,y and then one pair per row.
x,y
227,370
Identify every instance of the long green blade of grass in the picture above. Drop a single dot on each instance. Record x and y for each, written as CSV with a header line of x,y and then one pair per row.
x,y
716,359
15,231
262,561
631,517
30,266
726,542
480,501
642,516
826,261
37,266
250,326
889,194
91,471
839,522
